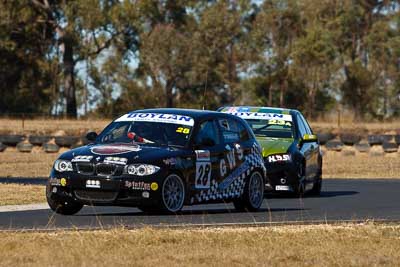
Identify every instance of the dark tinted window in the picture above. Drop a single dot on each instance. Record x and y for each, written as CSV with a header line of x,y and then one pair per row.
x,y
302,127
308,128
244,134
207,130
230,130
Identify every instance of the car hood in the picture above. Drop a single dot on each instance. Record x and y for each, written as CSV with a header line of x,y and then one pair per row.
x,y
134,153
272,145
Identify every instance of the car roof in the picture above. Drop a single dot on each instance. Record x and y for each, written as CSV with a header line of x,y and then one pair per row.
x,y
259,109
196,114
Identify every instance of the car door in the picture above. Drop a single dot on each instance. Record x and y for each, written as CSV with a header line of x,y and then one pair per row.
x,y
208,151
304,147
314,147
234,150
308,149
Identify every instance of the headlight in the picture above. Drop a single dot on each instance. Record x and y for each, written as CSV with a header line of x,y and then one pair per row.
x,y
141,169
63,165
278,158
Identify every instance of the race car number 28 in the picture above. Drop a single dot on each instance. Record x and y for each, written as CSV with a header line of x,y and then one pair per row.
x,y
203,175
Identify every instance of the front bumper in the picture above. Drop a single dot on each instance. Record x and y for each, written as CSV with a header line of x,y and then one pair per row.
x,y
124,190
281,176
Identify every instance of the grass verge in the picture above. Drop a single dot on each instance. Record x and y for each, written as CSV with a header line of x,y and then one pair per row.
x,y
15,194
317,245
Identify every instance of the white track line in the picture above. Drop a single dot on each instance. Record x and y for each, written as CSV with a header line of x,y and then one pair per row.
x,y
37,206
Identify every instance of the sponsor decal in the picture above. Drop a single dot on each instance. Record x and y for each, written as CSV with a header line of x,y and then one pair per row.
x,y
243,109
154,186
55,181
202,155
137,185
82,159
158,117
63,182
261,116
116,160
170,161
231,177
278,158
92,183
114,149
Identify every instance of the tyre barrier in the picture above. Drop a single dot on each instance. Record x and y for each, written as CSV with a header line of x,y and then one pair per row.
x,y
66,141
379,139
362,147
397,139
11,140
334,145
39,140
349,138
390,147
24,147
2,147
325,137
50,148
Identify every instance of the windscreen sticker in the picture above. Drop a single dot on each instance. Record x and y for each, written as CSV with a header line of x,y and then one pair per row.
x,y
183,130
158,117
261,116
280,122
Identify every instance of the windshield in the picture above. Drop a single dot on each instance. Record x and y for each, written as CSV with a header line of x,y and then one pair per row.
x,y
271,128
154,129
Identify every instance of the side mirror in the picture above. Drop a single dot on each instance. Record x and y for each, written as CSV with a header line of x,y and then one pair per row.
x,y
207,142
310,138
91,136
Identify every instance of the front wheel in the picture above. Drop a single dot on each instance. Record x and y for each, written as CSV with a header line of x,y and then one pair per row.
x,y
316,190
172,194
64,206
253,194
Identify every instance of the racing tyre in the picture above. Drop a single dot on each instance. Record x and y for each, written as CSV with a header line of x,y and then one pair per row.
x,y
172,195
66,206
253,194
299,188
316,190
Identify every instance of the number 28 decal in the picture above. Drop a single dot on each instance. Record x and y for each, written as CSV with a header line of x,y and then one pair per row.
x,y
203,175
183,130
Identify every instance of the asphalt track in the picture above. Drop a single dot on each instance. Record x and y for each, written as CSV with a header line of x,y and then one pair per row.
x,y
341,200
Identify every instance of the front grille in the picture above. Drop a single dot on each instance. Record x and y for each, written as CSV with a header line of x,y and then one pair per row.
x,y
106,169
96,195
85,168
101,169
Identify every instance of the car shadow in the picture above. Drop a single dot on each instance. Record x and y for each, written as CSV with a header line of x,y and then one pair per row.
x,y
192,212
324,194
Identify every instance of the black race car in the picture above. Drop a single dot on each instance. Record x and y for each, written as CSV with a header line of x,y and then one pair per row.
x,y
159,160
291,151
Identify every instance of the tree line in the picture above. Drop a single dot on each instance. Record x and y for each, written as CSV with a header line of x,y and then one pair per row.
x,y
107,57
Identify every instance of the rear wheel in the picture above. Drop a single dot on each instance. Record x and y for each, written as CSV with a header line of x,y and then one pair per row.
x,y
253,194
64,206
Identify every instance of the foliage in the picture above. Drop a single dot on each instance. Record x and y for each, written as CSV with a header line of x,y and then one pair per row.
x,y
107,57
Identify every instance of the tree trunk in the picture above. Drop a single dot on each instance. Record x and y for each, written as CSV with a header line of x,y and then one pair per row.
x,y
69,77
169,97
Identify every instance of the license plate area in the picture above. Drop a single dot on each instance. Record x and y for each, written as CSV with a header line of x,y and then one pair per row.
x,y
282,188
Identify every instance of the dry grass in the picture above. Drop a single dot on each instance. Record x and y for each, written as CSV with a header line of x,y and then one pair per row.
x,y
15,194
34,164
318,245
336,165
